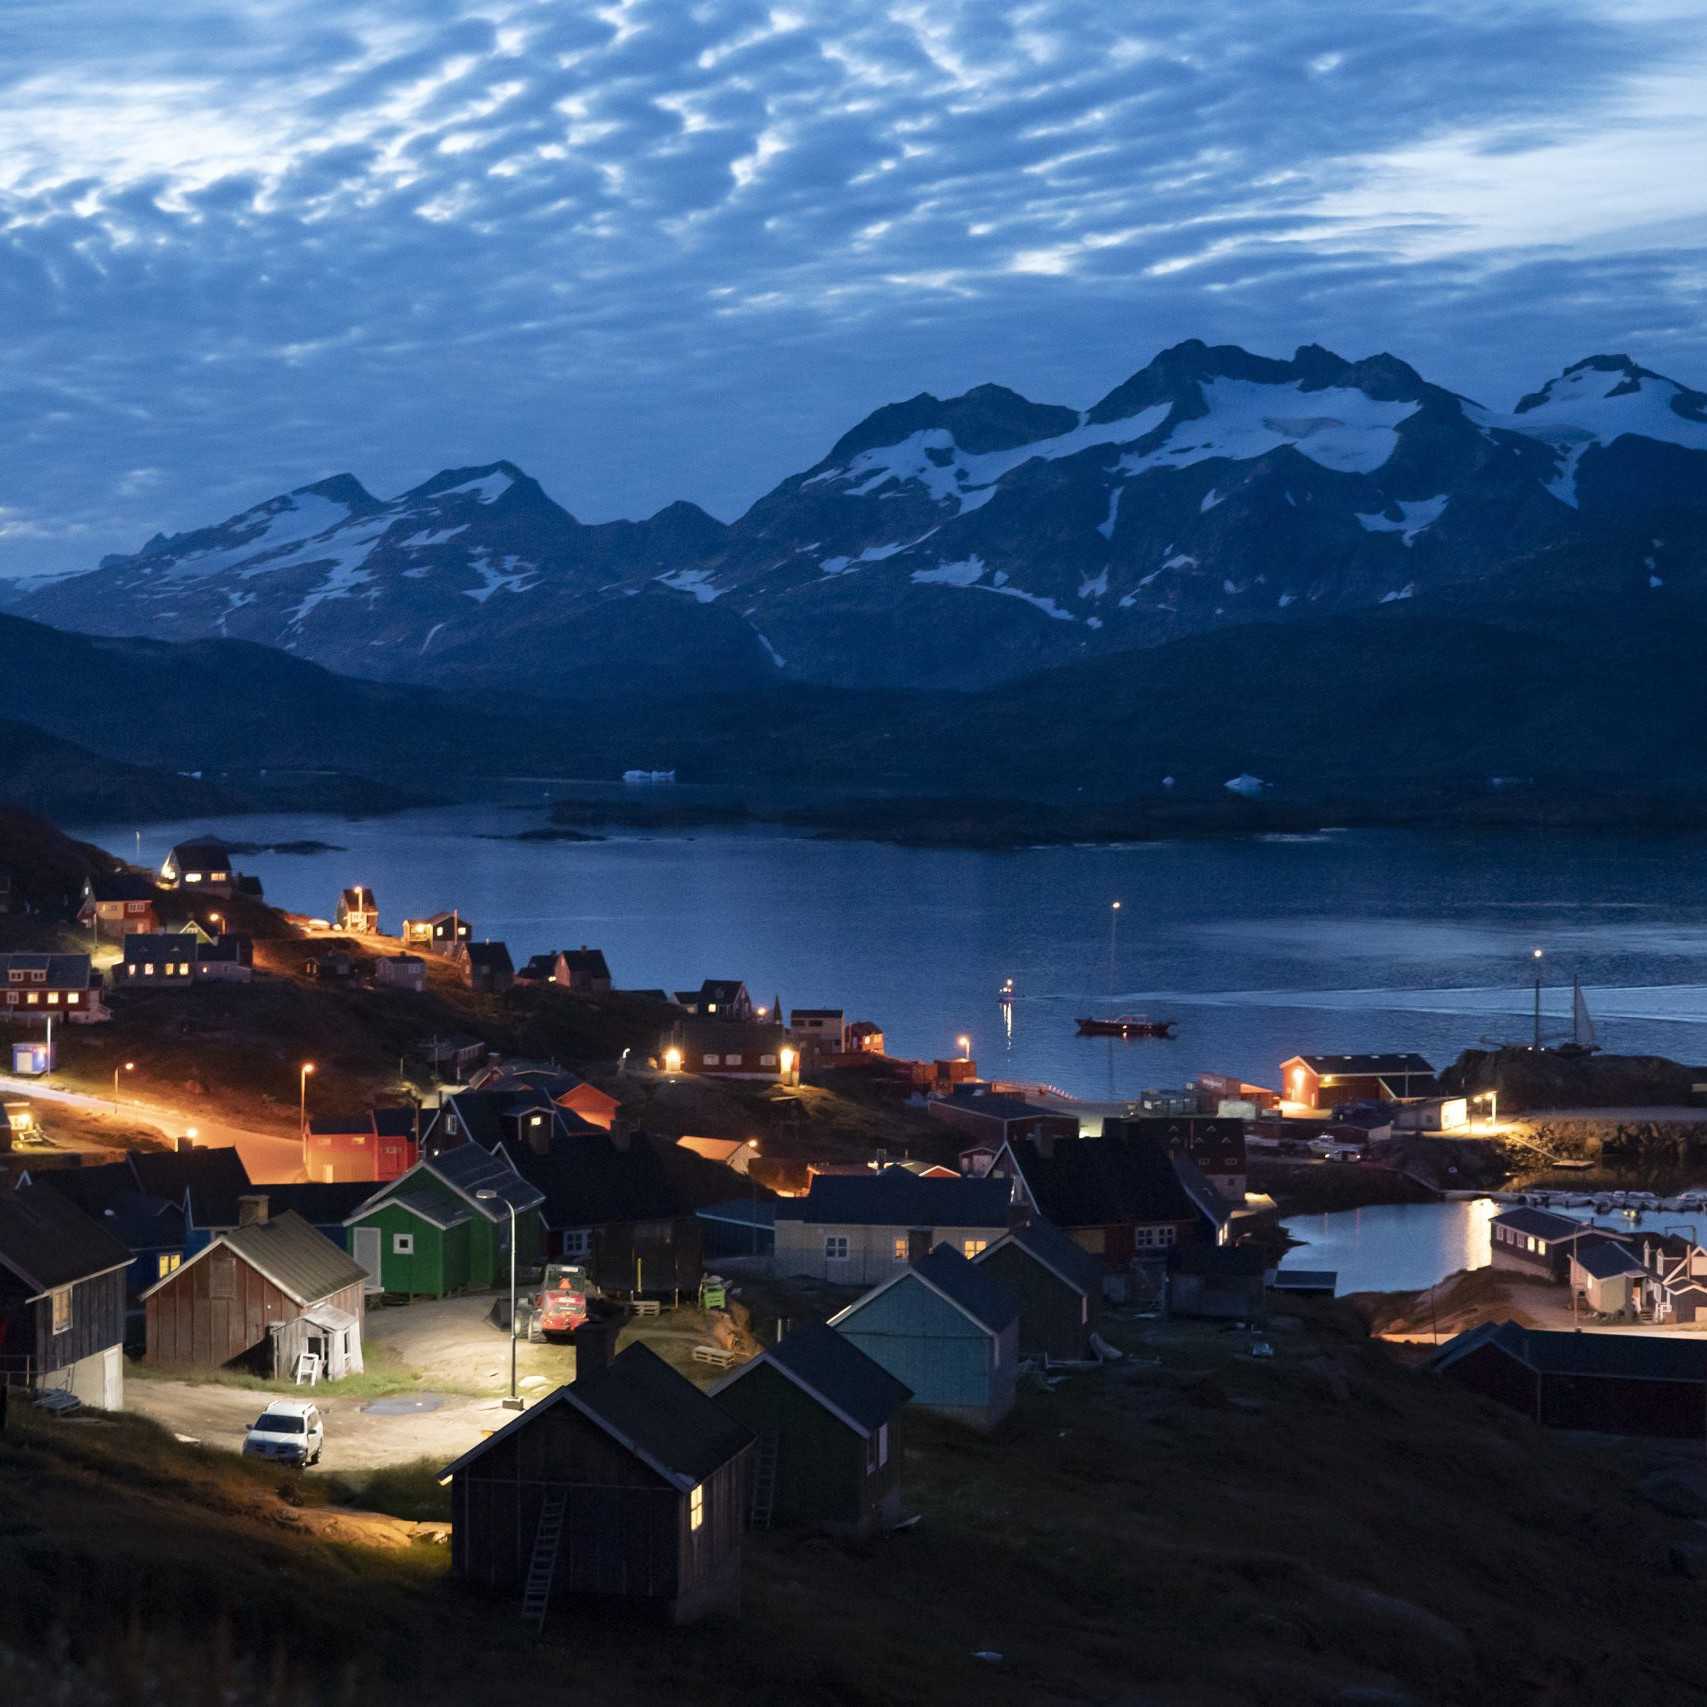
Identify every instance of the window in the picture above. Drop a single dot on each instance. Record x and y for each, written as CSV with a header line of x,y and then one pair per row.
x,y
61,1309
450,1124
1153,1238
149,969
767,1060
972,1247
835,1247
696,1508
222,1277
38,977
402,1244
1530,1243
1541,1247
53,998
578,1243
710,1061
169,1263
32,1000
901,1250
183,968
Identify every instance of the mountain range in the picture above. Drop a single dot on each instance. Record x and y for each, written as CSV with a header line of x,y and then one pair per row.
x,y
964,543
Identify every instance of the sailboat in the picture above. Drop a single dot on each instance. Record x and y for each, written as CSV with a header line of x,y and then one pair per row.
x,y
1582,1024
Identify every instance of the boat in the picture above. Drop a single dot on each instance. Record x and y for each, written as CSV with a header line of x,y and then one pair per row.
x,y
1582,1041
1127,1025
1006,993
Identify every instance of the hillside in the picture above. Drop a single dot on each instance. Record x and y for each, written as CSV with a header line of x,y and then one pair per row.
x,y
43,773
1190,1530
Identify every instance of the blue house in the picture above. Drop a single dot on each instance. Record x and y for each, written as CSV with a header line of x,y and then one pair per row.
x,y
153,1229
946,1329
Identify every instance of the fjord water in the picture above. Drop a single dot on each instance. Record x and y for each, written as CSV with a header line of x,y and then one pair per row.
x,y
1261,947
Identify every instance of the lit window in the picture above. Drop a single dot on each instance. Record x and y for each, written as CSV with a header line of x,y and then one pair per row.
x,y
402,1244
61,1309
696,1508
711,1060
836,1247
170,1262
149,969
73,999
711,1007
973,1246
53,998
1541,1247
32,1000
900,1250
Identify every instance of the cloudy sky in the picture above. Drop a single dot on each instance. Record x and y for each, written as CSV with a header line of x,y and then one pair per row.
x,y
653,250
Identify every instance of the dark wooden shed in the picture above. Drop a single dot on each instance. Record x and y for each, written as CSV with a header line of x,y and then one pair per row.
x,y
264,1293
629,1484
826,1418
1057,1284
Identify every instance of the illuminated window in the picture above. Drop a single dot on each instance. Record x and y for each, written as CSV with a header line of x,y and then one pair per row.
x,y
1541,1247
32,1000
402,1244
53,998
73,999
836,1247
900,1250
170,1262
696,1508
149,969
61,1309
450,1124
973,1246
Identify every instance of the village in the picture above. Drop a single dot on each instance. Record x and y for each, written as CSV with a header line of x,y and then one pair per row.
x,y
636,1305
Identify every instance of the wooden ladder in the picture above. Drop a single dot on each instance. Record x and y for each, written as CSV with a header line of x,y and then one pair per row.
x,y
764,1482
542,1568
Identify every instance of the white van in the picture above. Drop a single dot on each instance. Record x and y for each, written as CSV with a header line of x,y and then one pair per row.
x,y
289,1431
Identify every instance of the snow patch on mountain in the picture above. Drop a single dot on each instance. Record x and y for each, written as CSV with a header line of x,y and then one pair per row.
x,y
1415,514
512,575
271,531
1106,526
419,541
871,554
1404,592
1094,586
487,488
1046,605
695,581
963,574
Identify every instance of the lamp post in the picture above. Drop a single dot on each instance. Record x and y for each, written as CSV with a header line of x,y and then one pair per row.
x,y
219,922
965,1047
302,1092
1113,935
753,1145
487,1195
1535,954
128,1067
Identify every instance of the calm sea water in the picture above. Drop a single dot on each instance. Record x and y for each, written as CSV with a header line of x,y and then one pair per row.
x,y
1260,947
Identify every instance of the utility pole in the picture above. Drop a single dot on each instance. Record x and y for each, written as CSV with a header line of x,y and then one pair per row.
x,y
1113,935
1535,955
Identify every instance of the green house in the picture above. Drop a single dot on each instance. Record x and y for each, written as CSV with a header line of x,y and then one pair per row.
x,y
431,1232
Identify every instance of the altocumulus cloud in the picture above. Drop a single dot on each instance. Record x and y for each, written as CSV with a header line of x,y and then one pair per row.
x,y
653,250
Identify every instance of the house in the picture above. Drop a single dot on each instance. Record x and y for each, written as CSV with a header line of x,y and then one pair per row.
x,y
827,1419
1057,1285
456,1058
945,1329
490,969
865,1037
1651,1385
731,1049
580,969
732,1153
400,972
446,934
1538,1240
325,1207
818,1031
209,1185
178,959
337,966
155,1230
1215,1142
430,1233
1223,1282
203,864
567,1090
720,999
992,1119
118,904
61,1298
521,1116
367,1144
1123,1200
358,911
264,1295
1324,1081
853,1229
629,1486
742,1227
1608,1275
1676,1286
65,986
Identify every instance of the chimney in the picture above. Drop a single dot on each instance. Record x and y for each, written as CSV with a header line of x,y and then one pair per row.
x,y
252,1210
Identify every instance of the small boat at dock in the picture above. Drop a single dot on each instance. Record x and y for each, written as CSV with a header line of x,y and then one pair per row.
x,y
1127,1025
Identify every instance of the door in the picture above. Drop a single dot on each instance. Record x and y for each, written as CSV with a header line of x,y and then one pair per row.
x,y
366,1247
918,1244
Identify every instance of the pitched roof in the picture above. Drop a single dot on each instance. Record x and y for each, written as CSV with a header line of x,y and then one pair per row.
x,y
1068,1261
421,1194
298,1258
47,1241
1629,1356
493,954
894,1197
202,850
1606,1259
590,961
947,1273
64,971
833,1370
1366,1066
213,1178
122,886
1221,1261
996,1105
468,1169
646,1407
1540,1224
586,1181
108,1195
323,1203
1097,1182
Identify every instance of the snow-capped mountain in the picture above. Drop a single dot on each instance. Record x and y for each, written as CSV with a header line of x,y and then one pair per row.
x,y
965,541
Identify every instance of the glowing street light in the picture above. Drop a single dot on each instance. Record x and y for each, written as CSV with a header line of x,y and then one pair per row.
x,y
1113,934
965,1047
787,1059
128,1067
486,1195
302,1091
672,1060
1535,954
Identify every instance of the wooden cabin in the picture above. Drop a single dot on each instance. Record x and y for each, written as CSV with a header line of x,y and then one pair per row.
x,y
62,1296
1539,1240
263,1295
1328,1081
827,1421
948,1331
629,1485
1057,1285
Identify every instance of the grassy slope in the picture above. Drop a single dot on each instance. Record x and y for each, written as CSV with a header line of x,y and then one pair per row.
x,y
1210,1530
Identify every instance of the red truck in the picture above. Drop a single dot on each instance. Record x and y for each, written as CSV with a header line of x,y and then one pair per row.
x,y
560,1304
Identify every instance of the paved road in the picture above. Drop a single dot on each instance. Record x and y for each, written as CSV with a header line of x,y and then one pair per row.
x,y
269,1157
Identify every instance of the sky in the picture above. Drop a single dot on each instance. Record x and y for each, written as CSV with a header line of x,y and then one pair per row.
x,y
652,251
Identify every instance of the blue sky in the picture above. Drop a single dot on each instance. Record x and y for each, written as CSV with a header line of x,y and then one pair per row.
x,y
655,250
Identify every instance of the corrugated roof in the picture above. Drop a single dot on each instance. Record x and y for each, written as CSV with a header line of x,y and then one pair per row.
x,y
1540,1223
834,1371
47,1241
1097,1182
1606,1259
1366,1066
896,1198
1048,1245
946,1272
299,1259
468,1169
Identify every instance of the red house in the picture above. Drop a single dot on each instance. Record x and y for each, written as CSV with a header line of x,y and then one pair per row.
x,y
379,1144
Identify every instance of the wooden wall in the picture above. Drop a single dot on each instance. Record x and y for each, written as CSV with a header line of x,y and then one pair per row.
x,y
213,1311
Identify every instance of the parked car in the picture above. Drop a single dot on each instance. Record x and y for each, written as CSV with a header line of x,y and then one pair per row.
x,y
289,1431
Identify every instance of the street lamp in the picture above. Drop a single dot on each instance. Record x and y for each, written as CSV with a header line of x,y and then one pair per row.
x,y
672,1060
487,1195
753,1145
302,1091
1535,954
1113,931
965,1047
128,1067
218,919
